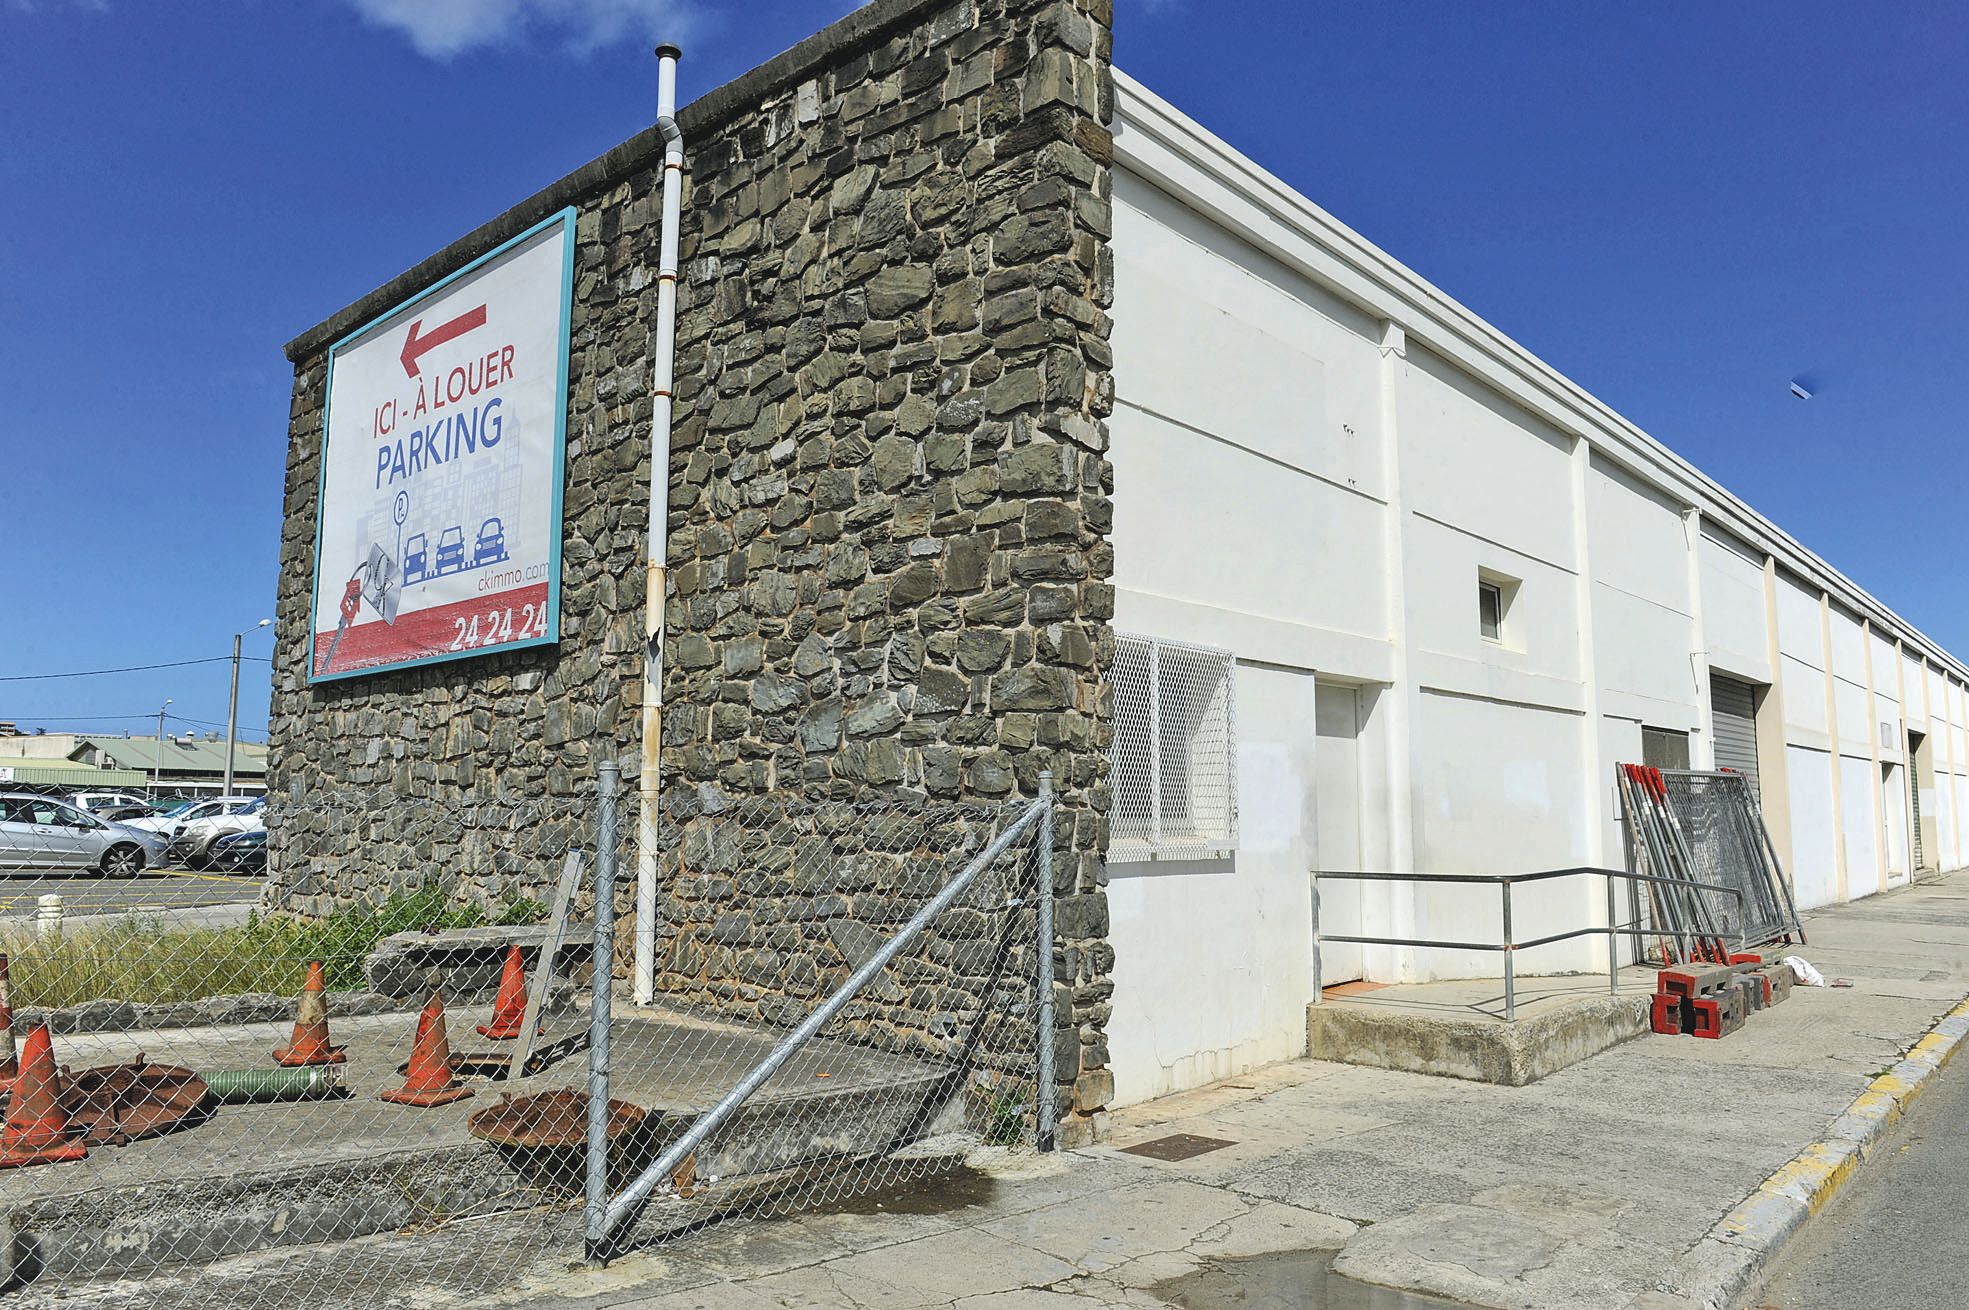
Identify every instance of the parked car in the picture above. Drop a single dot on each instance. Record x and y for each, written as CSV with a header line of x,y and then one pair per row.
x,y
40,832
241,852
114,806
166,822
451,550
191,846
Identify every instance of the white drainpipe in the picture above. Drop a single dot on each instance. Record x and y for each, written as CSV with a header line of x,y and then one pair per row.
x,y
659,519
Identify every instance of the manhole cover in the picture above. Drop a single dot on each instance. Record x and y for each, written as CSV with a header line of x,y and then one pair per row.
x,y
121,1103
1177,1146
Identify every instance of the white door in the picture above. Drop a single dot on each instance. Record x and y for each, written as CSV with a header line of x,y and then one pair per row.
x,y
1893,812
1337,824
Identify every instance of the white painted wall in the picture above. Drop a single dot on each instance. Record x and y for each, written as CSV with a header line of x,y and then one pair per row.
x,y
1814,827
1213,958
1316,456
1733,608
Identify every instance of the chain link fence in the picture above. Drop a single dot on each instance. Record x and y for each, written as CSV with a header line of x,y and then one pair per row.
x,y
872,968
340,1029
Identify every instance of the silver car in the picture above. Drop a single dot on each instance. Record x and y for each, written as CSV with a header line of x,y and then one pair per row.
x,y
40,832
191,845
166,825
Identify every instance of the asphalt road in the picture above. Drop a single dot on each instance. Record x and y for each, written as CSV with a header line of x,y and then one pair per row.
x,y
1893,1237
157,889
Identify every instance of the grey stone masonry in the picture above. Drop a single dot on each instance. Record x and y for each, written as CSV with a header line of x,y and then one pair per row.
x,y
889,484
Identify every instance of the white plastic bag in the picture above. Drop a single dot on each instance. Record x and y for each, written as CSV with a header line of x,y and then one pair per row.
x,y
1802,970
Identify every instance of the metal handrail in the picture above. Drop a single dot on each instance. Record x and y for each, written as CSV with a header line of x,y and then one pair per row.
x,y
608,1221
1504,882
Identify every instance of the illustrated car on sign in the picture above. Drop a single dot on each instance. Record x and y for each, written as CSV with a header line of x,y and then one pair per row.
x,y
416,559
491,545
451,550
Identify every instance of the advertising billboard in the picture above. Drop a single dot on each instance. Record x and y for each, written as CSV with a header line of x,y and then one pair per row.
x,y
439,528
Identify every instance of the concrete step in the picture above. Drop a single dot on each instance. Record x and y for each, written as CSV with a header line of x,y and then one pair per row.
x,y
1455,1030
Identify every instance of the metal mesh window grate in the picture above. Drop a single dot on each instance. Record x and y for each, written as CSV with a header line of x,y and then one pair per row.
x,y
1174,756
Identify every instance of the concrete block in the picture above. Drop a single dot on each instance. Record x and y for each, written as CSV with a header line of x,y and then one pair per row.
x,y
469,959
1694,979
1719,1015
1481,1050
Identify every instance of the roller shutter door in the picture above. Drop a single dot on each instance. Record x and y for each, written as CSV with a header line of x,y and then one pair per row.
x,y
1734,717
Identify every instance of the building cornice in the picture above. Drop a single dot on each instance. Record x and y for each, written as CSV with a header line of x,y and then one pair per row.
x,y
1165,148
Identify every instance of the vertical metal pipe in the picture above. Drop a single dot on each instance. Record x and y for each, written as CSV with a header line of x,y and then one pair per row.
x,y
1046,1097
662,386
1613,943
1319,990
599,1006
1510,958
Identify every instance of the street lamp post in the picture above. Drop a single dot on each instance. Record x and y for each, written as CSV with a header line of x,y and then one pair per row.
x,y
157,771
232,706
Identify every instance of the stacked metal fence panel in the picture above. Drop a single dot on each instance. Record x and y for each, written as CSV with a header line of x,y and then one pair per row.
x,y
1704,830
1726,844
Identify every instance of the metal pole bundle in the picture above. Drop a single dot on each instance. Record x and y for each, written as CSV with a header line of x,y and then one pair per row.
x,y
1681,912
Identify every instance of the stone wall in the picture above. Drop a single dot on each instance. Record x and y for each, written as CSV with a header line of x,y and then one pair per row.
x,y
889,484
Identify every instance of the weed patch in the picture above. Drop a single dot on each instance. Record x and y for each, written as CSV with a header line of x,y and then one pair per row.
x,y
146,962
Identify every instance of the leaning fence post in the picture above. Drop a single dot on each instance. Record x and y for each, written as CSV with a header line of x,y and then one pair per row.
x,y
1045,1099
596,1210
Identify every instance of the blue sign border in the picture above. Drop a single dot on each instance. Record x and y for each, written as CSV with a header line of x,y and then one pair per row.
x,y
566,218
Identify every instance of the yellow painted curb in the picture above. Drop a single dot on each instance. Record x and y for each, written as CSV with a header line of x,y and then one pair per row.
x,y
1814,1176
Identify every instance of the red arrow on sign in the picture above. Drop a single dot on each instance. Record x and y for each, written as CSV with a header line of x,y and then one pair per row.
x,y
414,345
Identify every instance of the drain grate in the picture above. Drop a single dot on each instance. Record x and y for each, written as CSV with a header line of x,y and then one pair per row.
x,y
1177,1146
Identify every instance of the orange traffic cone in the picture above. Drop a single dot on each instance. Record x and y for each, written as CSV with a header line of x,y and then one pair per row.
x,y
309,1044
10,1065
427,1078
36,1130
509,1007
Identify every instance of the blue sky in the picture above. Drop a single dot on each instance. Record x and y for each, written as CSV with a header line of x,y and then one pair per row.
x,y
1680,207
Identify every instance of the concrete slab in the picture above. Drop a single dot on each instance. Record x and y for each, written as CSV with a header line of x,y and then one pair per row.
x,y
1457,1029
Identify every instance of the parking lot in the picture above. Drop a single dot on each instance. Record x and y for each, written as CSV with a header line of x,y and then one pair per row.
x,y
156,891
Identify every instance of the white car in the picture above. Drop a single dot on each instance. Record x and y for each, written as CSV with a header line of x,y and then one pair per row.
x,y
167,825
193,842
108,804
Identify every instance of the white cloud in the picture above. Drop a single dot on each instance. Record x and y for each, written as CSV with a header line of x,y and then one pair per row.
x,y
444,29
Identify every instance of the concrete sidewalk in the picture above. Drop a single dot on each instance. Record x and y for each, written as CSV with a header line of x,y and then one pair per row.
x,y
1596,1187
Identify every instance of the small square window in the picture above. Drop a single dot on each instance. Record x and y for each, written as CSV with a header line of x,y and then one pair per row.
x,y
1490,610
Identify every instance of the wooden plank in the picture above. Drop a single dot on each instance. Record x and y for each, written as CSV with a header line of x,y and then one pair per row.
x,y
543,968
